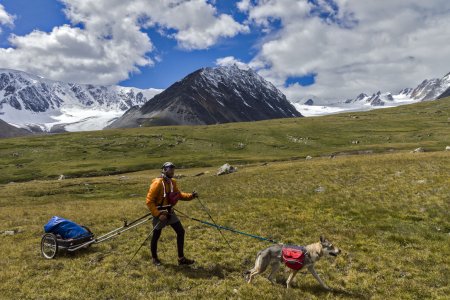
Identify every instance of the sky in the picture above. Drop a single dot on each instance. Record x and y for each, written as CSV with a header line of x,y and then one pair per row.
x,y
330,49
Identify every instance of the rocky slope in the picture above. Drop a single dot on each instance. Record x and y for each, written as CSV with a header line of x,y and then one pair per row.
x,y
212,96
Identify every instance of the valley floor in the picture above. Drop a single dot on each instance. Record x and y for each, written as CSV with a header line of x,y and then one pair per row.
x,y
388,212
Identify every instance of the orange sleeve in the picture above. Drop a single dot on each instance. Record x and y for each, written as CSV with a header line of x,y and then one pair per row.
x,y
183,196
152,197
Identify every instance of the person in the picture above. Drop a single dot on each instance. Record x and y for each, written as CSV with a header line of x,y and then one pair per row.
x,y
162,195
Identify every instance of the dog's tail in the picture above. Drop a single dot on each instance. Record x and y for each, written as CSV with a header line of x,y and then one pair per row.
x,y
247,272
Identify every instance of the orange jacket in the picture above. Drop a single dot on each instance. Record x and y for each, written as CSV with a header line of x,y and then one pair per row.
x,y
155,195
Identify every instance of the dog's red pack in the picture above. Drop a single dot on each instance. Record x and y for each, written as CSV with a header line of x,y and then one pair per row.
x,y
293,256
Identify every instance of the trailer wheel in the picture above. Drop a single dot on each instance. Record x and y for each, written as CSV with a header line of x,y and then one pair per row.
x,y
49,245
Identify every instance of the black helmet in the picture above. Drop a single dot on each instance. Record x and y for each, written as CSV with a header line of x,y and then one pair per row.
x,y
167,165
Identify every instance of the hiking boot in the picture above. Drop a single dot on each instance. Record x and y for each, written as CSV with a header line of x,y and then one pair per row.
x,y
156,261
185,261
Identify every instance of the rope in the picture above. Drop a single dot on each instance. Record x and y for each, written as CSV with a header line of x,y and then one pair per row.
x,y
215,224
226,228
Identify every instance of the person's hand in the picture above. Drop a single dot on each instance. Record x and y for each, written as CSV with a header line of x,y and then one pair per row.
x,y
194,194
163,217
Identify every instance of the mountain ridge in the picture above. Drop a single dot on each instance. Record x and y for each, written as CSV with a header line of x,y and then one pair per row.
x,y
28,100
211,96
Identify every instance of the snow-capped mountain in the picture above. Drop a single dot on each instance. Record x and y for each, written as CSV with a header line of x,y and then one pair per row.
x,y
428,90
431,89
377,99
445,94
211,96
31,101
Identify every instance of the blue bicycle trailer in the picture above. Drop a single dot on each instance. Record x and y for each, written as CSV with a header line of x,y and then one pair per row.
x,y
65,235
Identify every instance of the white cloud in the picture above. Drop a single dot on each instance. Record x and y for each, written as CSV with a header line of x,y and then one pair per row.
x,y
105,41
6,19
244,5
364,46
231,60
197,22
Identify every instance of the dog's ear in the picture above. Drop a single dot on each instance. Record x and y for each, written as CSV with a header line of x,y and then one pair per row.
x,y
322,239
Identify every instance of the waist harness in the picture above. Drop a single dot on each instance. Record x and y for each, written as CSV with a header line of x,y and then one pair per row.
x,y
293,256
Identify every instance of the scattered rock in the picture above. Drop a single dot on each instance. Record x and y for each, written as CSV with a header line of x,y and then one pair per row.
x,y
447,148
417,150
12,232
240,146
308,157
398,173
61,177
355,142
320,189
297,139
226,169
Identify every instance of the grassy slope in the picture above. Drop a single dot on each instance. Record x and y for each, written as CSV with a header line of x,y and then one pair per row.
x,y
119,151
387,211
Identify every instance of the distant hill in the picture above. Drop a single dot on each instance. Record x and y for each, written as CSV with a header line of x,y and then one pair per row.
x,y
7,130
116,151
212,96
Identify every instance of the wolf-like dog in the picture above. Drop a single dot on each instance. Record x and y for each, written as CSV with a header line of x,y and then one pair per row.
x,y
273,256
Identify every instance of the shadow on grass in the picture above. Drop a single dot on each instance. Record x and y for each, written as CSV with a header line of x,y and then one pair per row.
x,y
320,291
202,272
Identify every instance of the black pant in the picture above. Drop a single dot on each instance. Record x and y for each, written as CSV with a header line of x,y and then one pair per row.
x,y
180,239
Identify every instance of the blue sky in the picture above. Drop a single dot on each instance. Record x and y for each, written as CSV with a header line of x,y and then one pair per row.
x,y
175,63
331,49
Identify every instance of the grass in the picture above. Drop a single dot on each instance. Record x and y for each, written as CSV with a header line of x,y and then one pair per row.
x,y
388,211
111,152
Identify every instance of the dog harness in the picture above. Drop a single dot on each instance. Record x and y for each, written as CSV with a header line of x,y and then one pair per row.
x,y
293,256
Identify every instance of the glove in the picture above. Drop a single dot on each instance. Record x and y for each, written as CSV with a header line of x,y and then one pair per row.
x,y
194,194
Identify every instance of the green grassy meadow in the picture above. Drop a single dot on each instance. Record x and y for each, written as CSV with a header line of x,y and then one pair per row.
x,y
385,207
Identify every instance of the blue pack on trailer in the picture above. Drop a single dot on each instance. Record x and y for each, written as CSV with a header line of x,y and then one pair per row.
x,y
65,228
